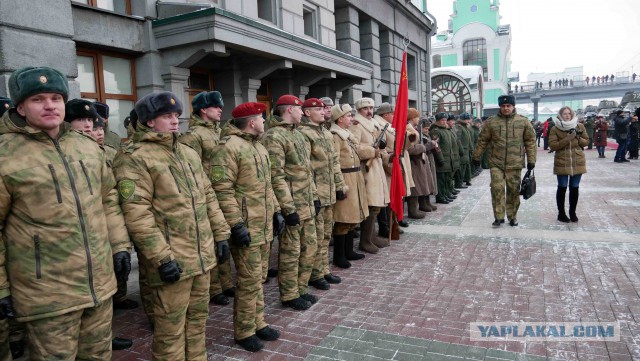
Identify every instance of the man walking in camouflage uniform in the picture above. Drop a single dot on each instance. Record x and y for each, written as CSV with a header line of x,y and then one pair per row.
x,y
173,218
203,136
292,180
62,288
508,137
241,177
329,183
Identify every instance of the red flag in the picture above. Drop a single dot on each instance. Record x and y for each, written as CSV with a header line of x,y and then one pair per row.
x,y
400,125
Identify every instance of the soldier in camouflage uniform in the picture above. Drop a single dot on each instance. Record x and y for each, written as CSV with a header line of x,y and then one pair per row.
x,y
241,177
463,177
203,136
111,139
508,137
329,183
173,217
444,162
59,257
475,132
456,155
292,180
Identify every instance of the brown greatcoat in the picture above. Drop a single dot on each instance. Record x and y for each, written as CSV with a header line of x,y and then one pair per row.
x,y
418,163
354,209
388,161
365,133
430,146
569,157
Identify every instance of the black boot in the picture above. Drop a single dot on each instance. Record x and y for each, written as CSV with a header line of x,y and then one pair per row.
x,y
339,258
560,196
251,343
331,278
17,348
230,292
574,192
349,253
383,222
268,334
118,343
219,299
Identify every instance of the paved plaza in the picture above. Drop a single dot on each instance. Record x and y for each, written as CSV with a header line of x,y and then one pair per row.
x,y
415,299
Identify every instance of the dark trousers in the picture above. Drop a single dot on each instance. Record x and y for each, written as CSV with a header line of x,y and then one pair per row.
x,y
546,143
622,149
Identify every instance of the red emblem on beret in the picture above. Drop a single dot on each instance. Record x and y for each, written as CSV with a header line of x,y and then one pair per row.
x,y
288,100
247,110
312,103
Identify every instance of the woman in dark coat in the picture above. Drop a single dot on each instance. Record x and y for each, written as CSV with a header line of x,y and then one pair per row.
x,y
600,135
633,136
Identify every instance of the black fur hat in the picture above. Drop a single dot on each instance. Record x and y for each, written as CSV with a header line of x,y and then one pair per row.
x,y
78,109
5,104
102,109
156,104
507,99
207,99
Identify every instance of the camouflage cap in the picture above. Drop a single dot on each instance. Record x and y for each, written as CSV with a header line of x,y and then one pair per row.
x,y
79,109
205,100
29,81
156,104
5,104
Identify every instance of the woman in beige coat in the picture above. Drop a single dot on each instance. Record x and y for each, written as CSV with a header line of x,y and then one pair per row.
x,y
568,139
352,210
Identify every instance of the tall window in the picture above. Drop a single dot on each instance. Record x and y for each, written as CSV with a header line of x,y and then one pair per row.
x,y
108,78
436,61
309,19
474,52
266,10
117,6
411,72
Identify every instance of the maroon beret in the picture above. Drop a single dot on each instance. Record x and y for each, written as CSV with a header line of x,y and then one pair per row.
x,y
313,103
248,109
288,100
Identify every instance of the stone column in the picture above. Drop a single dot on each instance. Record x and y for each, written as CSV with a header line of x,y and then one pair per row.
x,y
249,89
370,51
347,33
175,81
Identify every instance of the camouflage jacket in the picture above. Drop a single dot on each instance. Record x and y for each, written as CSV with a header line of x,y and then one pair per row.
x,y
109,153
202,137
59,218
442,134
464,135
475,132
111,138
291,172
324,161
241,177
169,205
508,139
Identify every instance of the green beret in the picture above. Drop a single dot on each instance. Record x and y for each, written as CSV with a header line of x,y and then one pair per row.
x,y
207,99
29,81
78,109
156,104
5,104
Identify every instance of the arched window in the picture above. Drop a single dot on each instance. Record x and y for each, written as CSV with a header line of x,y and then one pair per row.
x,y
474,52
436,61
450,94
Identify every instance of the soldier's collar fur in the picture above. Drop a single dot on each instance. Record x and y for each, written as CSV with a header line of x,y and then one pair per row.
x,y
342,133
369,125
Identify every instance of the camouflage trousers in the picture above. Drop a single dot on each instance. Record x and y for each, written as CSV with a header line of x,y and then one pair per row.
x,y
146,292
180,312
248,305
512,179
10,331
324,227
121,292
220,278
265,249
295,259
78,335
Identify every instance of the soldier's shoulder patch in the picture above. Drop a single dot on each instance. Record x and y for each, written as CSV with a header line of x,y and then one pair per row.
x,y
217,173
126,188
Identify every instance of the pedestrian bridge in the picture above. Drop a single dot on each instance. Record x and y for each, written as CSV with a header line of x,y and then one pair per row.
x,y
579,91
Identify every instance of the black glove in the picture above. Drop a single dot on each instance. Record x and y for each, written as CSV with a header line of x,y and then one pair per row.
x,y
340,195
317,206
440,163
240,236
278,224
170,271
292,219
6,308
382,144
476,162
530,166
222,251
122,265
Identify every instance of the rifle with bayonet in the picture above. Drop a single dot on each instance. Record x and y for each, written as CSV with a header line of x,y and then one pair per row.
x,y
376,145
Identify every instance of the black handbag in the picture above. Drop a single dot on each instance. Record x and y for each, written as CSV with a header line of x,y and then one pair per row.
x,y
528,185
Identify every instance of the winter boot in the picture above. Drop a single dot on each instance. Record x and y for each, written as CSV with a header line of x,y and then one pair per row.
x,y
574,192
423,204
560,196
383,222
414,212
432,206
268,334
381,242
349,253
366,235
339,258
251,343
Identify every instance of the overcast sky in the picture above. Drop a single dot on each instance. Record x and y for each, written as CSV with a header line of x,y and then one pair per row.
x,y
550,35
